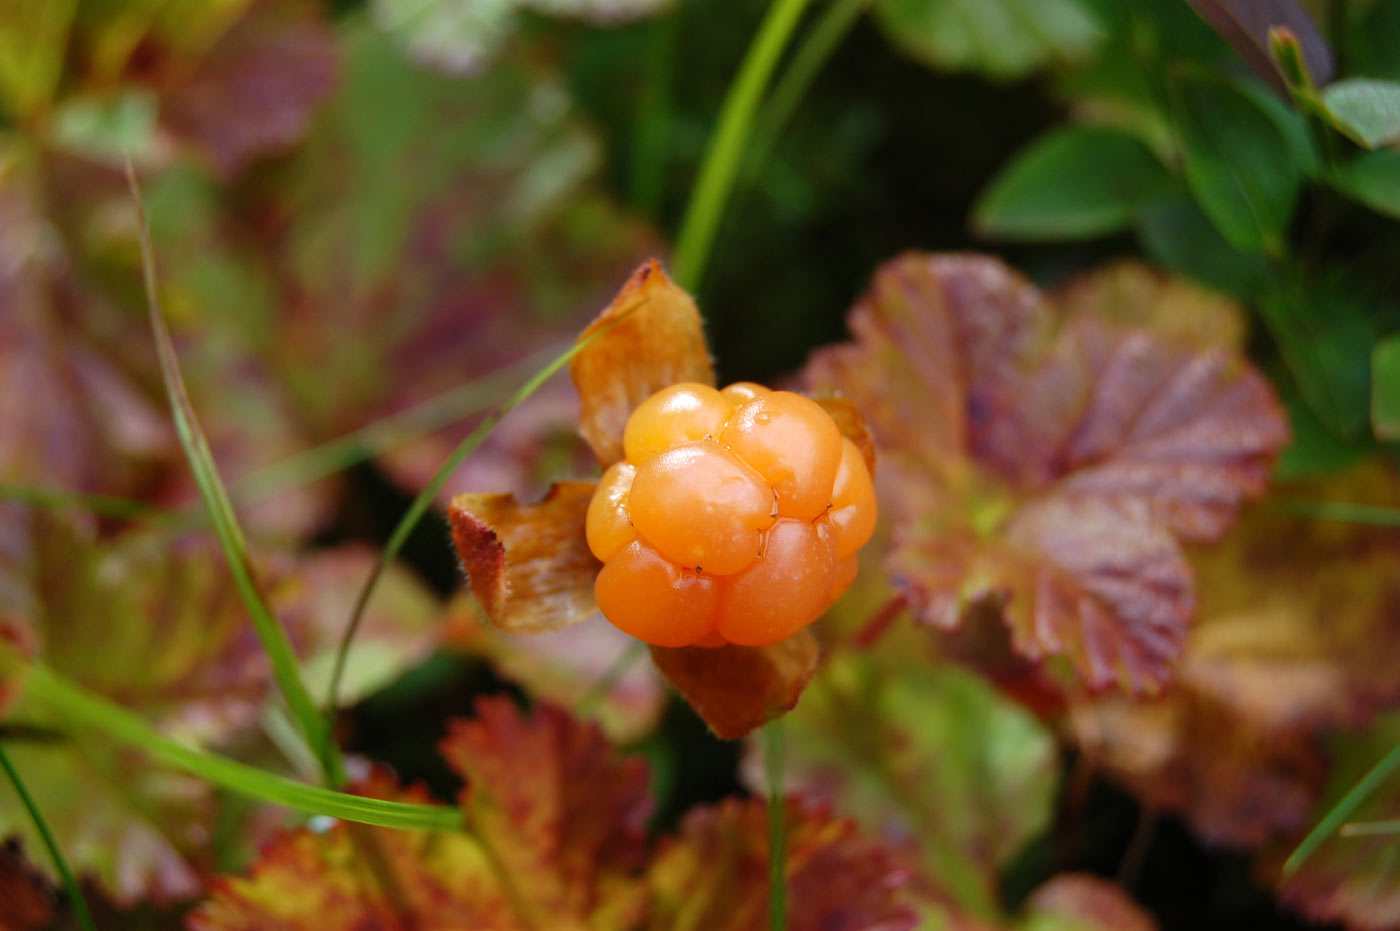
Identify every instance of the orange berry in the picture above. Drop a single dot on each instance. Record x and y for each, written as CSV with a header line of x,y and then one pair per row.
x,y
687,411
607,525
853,507
742,391
784,591
793,444
645,595
701,507
847,568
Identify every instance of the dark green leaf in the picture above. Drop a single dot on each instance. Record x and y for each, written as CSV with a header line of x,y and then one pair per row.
x,y
1075,182
1322,332
1366,110
1372,178
1002,38
1178,237
1239,163
1385,388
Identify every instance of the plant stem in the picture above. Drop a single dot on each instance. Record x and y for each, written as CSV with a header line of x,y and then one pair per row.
x,y
777,839
75,894
1341,511
274,639
95,713
618,668
722,158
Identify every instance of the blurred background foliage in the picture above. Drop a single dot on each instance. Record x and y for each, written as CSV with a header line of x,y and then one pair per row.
x,y
374,218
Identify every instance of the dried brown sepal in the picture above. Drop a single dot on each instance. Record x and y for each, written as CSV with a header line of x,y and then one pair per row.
x,y
654,338
736,689
529,565
851,425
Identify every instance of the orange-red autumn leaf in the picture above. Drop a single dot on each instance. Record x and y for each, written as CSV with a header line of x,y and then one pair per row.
x,y
1043,459
1299,624
529,566
28,902
736,689
650,336
714,876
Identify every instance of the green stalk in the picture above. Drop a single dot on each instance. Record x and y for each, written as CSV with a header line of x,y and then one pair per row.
x,y
93,712
722,159
618,668
1341,511
231,540
777,832
807,62
1343,810
420,506
65,500
75,894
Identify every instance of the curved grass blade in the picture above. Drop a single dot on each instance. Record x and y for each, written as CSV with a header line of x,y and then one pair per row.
x,y
63,499
1343,810
70,885
420,506
221,513
82,707
722,159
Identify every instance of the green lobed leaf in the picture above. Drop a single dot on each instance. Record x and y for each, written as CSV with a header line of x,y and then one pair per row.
x,y
1002,38
1385,389
1371,178
1367,110
1238,163
1074,182
924,751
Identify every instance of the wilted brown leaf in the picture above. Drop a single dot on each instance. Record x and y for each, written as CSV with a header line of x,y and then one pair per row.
x,y
736,689
714,876
529,566
650,336
1298,622
1044,460
851,425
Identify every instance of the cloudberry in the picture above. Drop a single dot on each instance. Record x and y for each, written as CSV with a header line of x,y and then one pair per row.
x,y
734,518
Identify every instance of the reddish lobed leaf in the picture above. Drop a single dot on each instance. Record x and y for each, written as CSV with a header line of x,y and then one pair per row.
x,y
529,566
736,689
1044,460
257,89
714,876
563,814
555,840
1298,621
649,337
358,877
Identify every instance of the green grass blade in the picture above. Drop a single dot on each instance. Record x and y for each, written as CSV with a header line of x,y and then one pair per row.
x,y
1370,828
62,499
82,707
722,158
777,830
221,513
1343,810
1341,511
75,894
618,668
423,502
821,41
